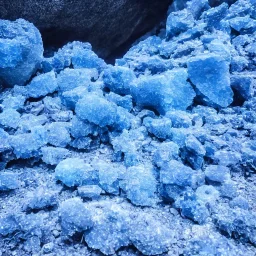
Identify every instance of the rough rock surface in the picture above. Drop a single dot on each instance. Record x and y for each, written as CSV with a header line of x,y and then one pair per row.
x,y
106,24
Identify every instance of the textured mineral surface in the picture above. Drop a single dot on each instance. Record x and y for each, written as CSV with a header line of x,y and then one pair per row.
x,y
154,155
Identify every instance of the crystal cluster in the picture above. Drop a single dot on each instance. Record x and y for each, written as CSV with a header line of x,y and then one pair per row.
x,y
155,155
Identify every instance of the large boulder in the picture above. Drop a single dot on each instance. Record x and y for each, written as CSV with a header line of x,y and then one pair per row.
x,y
106,24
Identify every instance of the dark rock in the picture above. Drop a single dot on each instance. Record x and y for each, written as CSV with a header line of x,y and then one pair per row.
x,y
106,24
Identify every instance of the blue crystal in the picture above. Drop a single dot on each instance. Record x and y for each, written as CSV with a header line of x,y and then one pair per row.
x,y
110,228
58,134
96,110
176,173
90,191
70,79
122,101
40,199
159,127
75,172
164,92
140,185
86,58
53,156
81,128
21,51
118,79
108,177
42,85
8,181
9,118
208,72
165,152
28,145
194,152
74,217
178,22
217,174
